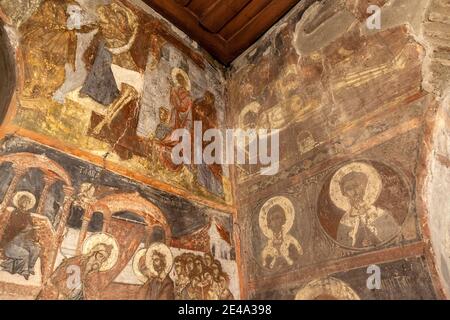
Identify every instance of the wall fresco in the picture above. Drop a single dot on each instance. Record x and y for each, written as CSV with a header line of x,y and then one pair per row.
x,y
352,111
112,80
63,218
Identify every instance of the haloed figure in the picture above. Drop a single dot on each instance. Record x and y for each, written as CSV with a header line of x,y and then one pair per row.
x,y
364,224
280,241
157,267
20,242
353,187
75,278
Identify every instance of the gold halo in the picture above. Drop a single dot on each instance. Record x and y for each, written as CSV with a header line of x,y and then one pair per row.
x,y
327,286
177,71
136,259
103,238
20,194
373,189
163,249
289,212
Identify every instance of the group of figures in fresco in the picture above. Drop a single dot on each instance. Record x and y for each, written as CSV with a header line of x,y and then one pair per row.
x,y
197,277
351,211
60,241
200,278
113,79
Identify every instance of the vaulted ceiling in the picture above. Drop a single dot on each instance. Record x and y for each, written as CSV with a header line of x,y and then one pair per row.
x,y
225,28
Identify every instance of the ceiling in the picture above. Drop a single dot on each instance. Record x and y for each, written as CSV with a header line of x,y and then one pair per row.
x,y
225,28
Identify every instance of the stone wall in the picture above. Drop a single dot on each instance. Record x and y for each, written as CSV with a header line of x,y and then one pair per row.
x,y
436,36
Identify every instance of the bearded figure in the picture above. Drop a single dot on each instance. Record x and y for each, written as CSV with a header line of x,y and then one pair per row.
x,y
77,278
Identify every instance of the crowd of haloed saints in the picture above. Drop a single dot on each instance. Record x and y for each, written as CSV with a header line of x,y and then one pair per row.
x,y
188,276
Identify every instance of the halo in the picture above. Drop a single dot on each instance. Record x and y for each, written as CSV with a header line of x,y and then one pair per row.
x,y
163,249
289,211
327,286
177,71
373,189
30,196
136,260
103,238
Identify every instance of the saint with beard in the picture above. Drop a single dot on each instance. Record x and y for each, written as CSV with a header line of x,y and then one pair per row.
x,y
77,278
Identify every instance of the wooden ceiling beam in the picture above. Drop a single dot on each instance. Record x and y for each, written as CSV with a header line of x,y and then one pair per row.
x,y
222,13
224,28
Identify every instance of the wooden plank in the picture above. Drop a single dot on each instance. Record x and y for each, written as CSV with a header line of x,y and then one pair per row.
x,y
240,20
200,7
223,12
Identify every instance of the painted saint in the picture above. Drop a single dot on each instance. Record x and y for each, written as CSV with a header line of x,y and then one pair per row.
x,y
77,278
19,242
155,264
276,220
208,176
180,117
355,188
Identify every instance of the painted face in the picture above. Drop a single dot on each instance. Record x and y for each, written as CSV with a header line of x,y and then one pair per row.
x,y
158,263
353,186
223,282
276,220
96,260
181,81
75,19
198,266
208,260
189,264
207,276
178,268
215,270
23,203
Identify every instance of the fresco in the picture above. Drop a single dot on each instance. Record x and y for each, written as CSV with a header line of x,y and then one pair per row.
x,y
405,279
109,79
71,230
327,289
373,212
276,220
7,69
351,108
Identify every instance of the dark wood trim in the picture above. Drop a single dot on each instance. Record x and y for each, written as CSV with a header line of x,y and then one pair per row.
x,y
226,28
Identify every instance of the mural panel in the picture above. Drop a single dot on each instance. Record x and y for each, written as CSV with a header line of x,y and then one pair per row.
x,y
363,205
72,230
351,108
109,79
402,279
